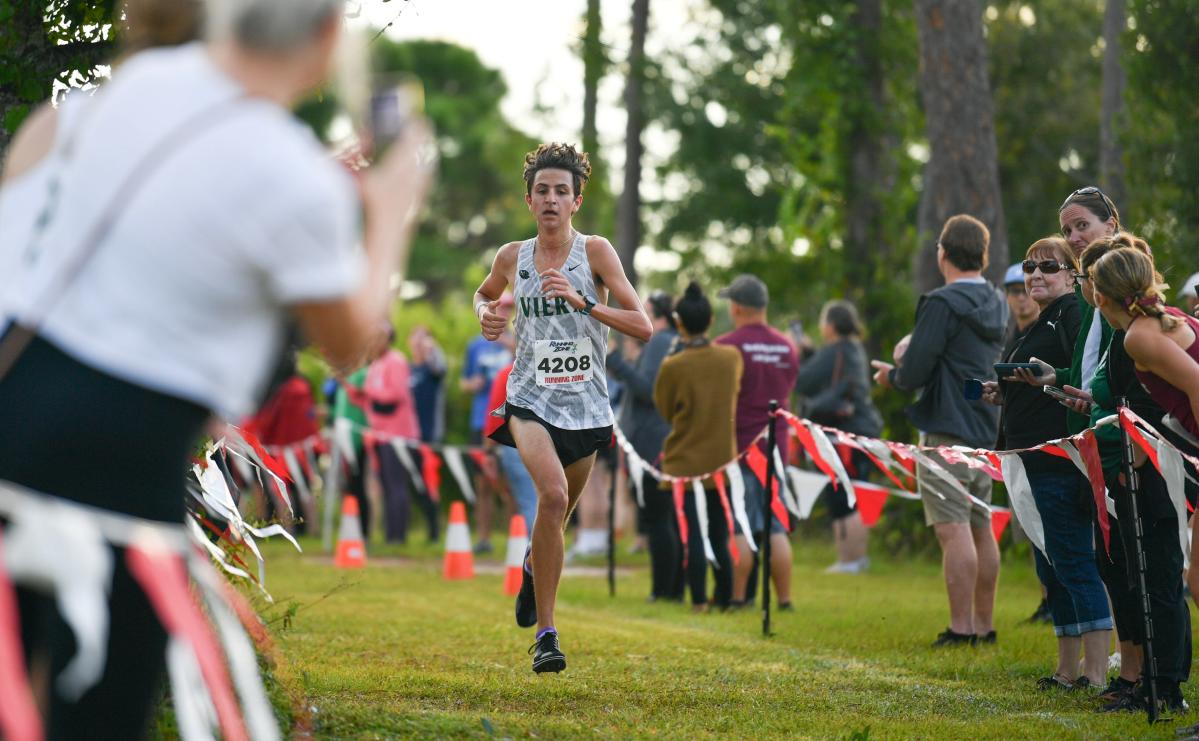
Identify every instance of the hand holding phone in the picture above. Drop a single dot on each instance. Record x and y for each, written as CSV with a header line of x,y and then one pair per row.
x,y
391,108
1008,370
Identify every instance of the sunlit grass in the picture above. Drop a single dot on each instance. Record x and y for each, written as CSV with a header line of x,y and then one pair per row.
x,y
394,651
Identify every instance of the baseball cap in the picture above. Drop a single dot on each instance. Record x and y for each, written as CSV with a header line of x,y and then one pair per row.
x,y
1188,288
747,290
1014,274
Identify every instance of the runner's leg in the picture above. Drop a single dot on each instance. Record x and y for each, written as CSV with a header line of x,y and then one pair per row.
x,y
555,499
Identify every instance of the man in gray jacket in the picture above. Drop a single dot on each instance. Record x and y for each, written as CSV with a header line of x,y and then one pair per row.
x,y
958,335
646,430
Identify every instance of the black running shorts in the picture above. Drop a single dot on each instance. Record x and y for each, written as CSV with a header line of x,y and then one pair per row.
x,y
570,445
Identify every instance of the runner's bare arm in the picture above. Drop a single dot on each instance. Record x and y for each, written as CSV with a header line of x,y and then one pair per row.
x,y
606,267
487,298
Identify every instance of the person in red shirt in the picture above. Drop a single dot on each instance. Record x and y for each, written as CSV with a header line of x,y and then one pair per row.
x,y
771,367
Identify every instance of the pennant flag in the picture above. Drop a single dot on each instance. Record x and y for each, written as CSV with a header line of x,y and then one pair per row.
x,y
243,662
343,438
880,455
813,450
1020,495
870,503
19,716
453,460
756,460
405,456
737,489
999,521
1085,455
780,475
636,472
701,516
162,577
678,490
431,470
718,477
808,487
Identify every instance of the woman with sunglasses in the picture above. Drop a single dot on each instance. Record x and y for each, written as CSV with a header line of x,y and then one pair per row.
x,y
1076,595
1086,215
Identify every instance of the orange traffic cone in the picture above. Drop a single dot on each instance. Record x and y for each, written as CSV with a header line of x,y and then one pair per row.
x,y
459,561
518,540
351,550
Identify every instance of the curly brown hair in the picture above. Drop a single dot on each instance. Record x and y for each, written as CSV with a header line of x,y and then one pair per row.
x,y
555,156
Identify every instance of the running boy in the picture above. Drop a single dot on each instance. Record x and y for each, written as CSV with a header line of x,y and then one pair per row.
x,y
557,413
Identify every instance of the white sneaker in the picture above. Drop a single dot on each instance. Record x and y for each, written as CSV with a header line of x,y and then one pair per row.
x,y
849,567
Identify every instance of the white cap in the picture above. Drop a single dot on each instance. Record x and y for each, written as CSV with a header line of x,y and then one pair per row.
x,y
1188,288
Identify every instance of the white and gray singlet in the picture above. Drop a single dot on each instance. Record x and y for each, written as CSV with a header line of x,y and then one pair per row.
x,y
559,373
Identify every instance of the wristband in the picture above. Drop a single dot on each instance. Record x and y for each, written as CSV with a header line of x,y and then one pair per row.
x,y
588,305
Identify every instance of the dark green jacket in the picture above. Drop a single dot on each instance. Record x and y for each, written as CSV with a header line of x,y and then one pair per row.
x,y
1072,376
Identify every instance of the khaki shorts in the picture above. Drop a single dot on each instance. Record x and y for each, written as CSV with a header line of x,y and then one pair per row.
x,y
954,507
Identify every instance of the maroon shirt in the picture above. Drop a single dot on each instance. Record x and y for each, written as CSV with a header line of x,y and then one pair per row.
x,y
771,367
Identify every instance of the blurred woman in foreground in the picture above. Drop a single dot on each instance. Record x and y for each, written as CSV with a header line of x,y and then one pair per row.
x,y
136,311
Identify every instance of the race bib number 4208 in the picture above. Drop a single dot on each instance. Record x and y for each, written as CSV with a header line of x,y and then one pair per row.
x,y
563,362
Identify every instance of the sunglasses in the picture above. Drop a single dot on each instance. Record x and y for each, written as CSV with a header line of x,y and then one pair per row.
x,y
1091,190
1048,267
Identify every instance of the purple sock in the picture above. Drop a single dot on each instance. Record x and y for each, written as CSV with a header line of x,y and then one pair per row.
x,y
543,631
528,566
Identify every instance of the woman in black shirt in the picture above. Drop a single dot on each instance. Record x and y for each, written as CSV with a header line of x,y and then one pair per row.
x,y
1077,599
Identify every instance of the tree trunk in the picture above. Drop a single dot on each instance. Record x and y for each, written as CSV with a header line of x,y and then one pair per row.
x,y
593,69
1111,154
871,167
962,174
628,209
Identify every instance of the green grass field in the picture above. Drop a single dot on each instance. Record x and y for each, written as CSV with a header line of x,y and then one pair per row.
x,y
393,651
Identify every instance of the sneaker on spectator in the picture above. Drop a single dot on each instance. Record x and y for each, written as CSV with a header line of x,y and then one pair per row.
x,y
1041,614
1116,688
482,547
949,638
849,567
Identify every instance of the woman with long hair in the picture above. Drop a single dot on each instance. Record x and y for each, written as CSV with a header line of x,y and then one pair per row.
x,y
1116,380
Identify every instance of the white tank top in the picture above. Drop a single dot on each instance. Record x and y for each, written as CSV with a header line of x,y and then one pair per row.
x,y
559,373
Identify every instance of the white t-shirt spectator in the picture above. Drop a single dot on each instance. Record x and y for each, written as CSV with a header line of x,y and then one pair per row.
x,y
187,294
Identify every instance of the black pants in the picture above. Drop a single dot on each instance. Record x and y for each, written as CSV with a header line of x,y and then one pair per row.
x,y
430,508
78,434
130,687
1163,576
397,507
665,545
356,487
697,561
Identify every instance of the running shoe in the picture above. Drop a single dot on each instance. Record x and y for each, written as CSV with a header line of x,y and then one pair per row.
x,y
949,638
526,600
547,656
990,638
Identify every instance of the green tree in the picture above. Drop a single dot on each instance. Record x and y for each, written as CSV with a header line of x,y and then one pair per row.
x,y
48,41
1163,116
478,201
